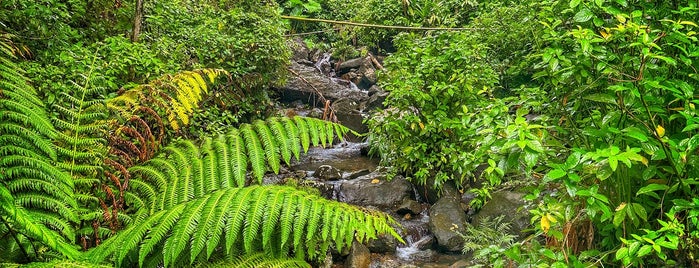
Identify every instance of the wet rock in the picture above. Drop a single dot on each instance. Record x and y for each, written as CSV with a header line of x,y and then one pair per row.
x,y
425,243
305,82
383,244
409,206
374,89
347,111
376,101
328,261
359,256
462,264
431,195
327,173
507,203
348,65
374,190
447,217
367,73
358,174
299,48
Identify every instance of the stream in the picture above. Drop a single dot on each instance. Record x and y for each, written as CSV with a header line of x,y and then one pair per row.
x,y
349,158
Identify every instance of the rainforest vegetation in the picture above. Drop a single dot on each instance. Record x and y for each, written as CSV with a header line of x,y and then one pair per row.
x,y
137,132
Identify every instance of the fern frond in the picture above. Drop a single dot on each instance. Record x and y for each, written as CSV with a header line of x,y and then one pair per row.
x,y
258,260
248,214
256,153
239,162
282,139
270,145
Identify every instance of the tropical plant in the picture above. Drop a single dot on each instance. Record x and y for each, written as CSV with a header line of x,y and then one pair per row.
x,y
37,197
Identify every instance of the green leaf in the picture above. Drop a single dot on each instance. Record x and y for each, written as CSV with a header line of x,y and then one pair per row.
x,y
555,174
574,3
600,97
583,15
652,188
640,211
635,133
619,216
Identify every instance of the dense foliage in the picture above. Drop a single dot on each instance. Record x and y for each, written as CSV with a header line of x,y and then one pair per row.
x,y
131,153
592,103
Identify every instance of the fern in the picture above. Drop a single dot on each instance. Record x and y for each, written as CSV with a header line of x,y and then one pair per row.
x,y
36,198
187,228
257,260
177,96
185,171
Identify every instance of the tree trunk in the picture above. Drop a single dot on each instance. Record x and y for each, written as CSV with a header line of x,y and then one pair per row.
x,y
137,21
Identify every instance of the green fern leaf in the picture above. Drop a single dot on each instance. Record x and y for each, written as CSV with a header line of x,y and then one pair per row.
x,y
256,153
293,138
205,224
304,133
210,163
224,159
239,163
258,260
282,139
254,218
270,145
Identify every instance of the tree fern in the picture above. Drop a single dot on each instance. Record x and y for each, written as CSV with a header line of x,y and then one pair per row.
x,y
187,228
177,96
184,171
36,198
257,260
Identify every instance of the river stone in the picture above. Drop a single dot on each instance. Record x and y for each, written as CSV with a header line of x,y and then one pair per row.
x,y
367,74
507,203
299,49
347,111
327,173
447,217
409,206
348,65
303,87
385,243
376,101
359,256
374,190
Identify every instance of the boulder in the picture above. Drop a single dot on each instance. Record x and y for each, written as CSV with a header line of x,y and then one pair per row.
x,y
305,82
347,111
367,73
348,65
446,218
409,206
359,256
327,173
374,89
299,49
357,174
374,190
383,244
507,203
376,101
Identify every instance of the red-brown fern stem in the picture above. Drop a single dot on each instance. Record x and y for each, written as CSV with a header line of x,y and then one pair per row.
x,y
143,127
158,120
134,134
123,156
127,146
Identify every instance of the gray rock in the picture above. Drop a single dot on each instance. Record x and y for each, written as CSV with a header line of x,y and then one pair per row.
x,y
409,206
358,174
446,218
461,264
376,101
299,48
327,173
303,87
374,190
374,89
347,65
367,73
507,203
347,111
383,244
359,256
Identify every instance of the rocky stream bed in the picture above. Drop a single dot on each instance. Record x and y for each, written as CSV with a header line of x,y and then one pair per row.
x,y
345,172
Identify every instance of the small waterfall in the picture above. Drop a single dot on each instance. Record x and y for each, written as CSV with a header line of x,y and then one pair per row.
x,y
417,238
323,65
